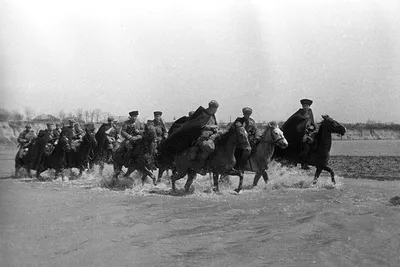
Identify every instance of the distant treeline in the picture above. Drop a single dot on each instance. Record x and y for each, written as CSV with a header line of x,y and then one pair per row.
x,y
372,125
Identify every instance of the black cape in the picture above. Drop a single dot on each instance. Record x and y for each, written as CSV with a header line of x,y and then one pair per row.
x,y
295,126
178,123
186,134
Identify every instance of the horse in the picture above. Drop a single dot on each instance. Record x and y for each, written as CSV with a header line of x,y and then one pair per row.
x,y
261,155
319,156
142,157
221,161
82,157
56,160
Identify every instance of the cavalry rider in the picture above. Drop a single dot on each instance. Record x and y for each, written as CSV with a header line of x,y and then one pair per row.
x,y
254,136
73,133
309,131
25,139
159,126
132,130
199,131
57,130
111,136
209,131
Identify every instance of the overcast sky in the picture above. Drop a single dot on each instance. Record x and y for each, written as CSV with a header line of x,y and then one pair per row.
x,y
174,56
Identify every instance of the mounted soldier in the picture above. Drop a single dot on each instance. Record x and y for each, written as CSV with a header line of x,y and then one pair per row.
x,y
25,140
301,126
57,131
74,133
159,126
132,130
107,136
199,132
254,136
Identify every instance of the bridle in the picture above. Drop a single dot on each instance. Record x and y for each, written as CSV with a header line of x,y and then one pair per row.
x,y
274,142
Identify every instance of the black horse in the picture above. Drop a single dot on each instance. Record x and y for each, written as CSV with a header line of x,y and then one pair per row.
x,y
56,160
319,156
82,157
141,158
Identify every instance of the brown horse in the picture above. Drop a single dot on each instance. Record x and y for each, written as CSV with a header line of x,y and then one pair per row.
x,y
319,157
221,161
262,154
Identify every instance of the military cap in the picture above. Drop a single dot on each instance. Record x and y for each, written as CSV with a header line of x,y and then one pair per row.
x,y
58,124
213,104
28,126
306,102
110,118
49,124
156,113
191,113
134,113
247,110
71,120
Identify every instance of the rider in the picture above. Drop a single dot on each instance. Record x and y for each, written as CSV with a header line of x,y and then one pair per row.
x,y
25,139
250,125
73,132
159,126
310,131
57,130
111,136
132,130
209,131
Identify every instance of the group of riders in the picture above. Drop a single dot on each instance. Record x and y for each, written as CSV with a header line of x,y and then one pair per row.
x,y
195,132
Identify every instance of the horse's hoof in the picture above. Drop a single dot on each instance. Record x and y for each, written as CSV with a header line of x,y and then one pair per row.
x,y
314,182
237,191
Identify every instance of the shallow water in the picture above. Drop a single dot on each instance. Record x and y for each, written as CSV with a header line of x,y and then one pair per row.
x,y
287,222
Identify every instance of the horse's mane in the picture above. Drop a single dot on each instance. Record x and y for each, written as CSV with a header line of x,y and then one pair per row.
x,y
223,138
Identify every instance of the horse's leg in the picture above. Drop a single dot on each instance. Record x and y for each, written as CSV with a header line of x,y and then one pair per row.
x,y
265,176
328,169
176,176
317,174
129,172
191,176
215,180
101,167
257,177
146,173
240,175
161,170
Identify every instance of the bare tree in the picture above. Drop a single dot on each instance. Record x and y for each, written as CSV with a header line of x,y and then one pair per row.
x,y
92,115
79,114
5,115
97,113
87,115
16,115
70,115
61,114
29,113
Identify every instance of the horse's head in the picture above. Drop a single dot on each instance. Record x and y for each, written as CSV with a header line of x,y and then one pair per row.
x,y
332,126
242,137
150,132
274,134
90,139
64,144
